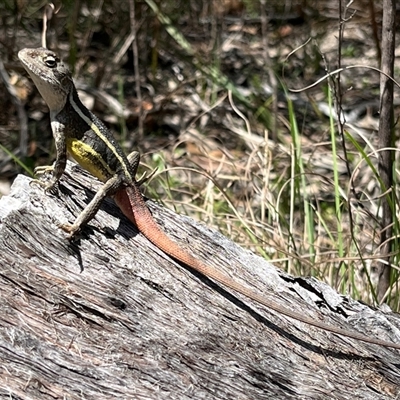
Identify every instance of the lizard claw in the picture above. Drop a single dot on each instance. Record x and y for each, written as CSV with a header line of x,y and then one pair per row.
x,y
44,169
72,230
144,178
48,187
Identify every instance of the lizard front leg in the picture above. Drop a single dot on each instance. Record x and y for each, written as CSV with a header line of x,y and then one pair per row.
x,y
59,165
108,189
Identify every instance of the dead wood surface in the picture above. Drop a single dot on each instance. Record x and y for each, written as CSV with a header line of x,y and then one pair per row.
x,y
110,316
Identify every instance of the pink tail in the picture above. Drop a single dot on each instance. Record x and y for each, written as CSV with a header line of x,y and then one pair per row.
x,y
131,203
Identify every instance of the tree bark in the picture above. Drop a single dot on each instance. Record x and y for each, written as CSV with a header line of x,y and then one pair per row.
x,y
109,316
386,141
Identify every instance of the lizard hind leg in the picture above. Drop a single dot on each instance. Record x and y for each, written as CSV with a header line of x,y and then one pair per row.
x,y
134,160
91,209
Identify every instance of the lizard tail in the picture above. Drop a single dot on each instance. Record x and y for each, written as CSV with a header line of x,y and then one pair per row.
x,y
131,203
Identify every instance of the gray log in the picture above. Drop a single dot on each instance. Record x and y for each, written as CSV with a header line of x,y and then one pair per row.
x,y
109,316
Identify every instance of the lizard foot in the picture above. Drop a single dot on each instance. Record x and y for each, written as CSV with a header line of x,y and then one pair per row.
x,y
44,169
49,187
72,230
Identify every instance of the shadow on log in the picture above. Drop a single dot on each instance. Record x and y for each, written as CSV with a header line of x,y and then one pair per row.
x,y
109,316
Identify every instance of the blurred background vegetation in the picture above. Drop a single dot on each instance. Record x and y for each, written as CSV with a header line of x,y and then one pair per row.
x,y
205,91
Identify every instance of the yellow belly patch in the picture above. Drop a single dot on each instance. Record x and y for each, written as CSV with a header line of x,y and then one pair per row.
x,y
89,159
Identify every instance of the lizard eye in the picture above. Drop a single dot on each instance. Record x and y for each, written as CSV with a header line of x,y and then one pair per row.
x,y
50,61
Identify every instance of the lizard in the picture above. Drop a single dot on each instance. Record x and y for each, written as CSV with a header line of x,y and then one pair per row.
x,y
77,131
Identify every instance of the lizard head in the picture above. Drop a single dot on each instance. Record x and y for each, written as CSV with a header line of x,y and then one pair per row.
x,y
50,75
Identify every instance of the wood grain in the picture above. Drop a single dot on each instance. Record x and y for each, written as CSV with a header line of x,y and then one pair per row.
x,y
109,316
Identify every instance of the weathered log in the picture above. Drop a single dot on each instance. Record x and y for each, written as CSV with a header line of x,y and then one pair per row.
x,y
109,316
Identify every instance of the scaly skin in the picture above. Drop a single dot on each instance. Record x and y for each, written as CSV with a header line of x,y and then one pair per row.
x,y
84,136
